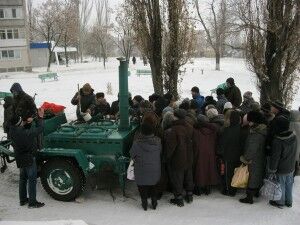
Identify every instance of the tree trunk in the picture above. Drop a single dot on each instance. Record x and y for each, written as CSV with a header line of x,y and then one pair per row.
x,y
66,56
49,59
157,79
218,57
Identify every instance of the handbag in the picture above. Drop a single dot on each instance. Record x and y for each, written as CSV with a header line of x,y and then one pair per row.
x,y
240,177
271,189
130,171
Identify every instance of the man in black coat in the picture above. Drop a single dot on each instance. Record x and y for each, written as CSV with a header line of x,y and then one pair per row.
x,y
233,93
85,98
24,141
23,104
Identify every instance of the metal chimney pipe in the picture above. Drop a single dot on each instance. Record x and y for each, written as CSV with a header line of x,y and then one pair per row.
x,y
123,95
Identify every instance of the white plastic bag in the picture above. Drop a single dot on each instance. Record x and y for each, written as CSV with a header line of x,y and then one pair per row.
x,y
130,171
271,189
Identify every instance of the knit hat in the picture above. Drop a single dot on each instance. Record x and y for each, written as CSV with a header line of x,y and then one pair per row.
x,y
87,88
255,117
211,113
248,95
230,80
16,87
281,124
180,113
278,105
228,105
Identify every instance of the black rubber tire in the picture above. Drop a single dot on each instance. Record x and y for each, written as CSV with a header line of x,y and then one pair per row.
x,y
73,170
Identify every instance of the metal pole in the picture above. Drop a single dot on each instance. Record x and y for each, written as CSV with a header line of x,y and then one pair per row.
x,y
123,95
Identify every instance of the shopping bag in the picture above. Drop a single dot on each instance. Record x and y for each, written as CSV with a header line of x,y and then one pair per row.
x,y
130,171
240,177
271,189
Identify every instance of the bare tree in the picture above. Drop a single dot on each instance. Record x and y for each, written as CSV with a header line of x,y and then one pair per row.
x,y
47,17
30,18
216,26
124,31
147,26
179,37
85,9
272,47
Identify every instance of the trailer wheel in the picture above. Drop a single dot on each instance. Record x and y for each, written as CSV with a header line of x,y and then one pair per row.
x,y
62,179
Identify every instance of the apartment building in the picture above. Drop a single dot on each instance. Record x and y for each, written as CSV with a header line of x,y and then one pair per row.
x,y
14,44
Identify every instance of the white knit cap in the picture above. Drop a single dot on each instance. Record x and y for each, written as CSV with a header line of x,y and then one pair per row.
x,y
228,105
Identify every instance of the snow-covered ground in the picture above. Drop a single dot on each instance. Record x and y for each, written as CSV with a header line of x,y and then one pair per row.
x,y
98,207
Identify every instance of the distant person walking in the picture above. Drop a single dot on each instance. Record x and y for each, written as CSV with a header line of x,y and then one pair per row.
x,y
133,60
233,93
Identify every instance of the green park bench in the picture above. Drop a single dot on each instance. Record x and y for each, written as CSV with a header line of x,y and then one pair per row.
x,y
3,95
143,72
45,76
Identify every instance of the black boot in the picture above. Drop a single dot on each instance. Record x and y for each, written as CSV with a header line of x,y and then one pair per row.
x,y
154,203
145,204
189,198
177,201
198,191
249,198
207,190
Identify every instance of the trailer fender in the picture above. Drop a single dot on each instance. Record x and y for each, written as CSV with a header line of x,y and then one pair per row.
x,y
77,154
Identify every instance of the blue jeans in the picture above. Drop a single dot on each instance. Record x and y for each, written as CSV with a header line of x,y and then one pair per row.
x,y
286,183
28,176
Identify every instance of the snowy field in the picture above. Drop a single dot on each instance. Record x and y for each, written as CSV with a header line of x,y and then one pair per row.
x,y
99,206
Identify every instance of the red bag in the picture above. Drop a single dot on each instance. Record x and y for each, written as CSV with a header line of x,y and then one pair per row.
x,y
53,107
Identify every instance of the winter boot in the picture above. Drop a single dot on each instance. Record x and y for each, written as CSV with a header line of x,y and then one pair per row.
x,y
189,198
145,204
24,202
249,198
177,201
154,202
207,190
36,205
197,191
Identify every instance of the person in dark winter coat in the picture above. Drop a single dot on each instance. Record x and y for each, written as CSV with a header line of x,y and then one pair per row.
x,y
215,118
221,100
247,103
23,136
8,112
133,60
102,107
23,104
204,148
199,98
233,93
178,145
146,152
295,127
254,155
114,109
277,108
283,159
229,148
85,98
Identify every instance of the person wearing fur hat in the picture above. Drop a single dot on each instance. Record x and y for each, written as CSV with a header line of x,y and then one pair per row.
x,y
85,98
204,149
283,159
229,149
178,145
254,155
233,93
278,110
23,104
146,152
247,103
23,136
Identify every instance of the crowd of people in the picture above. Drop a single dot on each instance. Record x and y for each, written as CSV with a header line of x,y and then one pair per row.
x,y
187,147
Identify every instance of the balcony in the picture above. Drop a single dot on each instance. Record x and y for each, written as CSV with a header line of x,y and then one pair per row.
x,y
11,2
7,43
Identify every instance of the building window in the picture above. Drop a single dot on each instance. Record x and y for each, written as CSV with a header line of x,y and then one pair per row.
x,y
10,54
1,13
2,34
16,33
14,13
9,34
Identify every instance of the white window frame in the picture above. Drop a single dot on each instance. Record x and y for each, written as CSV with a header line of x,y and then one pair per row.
x,y
8,13
3,10
20,34
11,58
